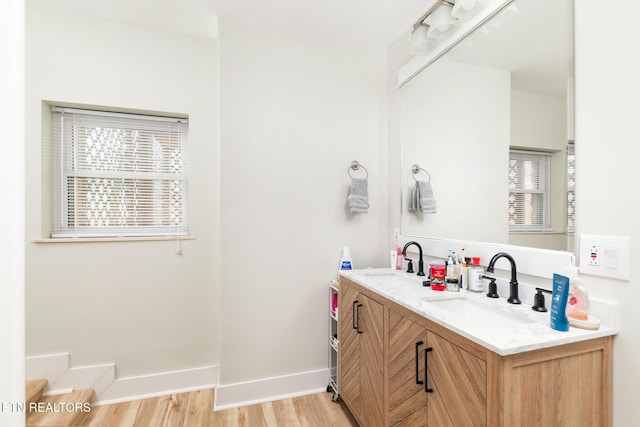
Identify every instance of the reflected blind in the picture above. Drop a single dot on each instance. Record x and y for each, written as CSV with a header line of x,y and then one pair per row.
x,y
529,190
119,174
571,187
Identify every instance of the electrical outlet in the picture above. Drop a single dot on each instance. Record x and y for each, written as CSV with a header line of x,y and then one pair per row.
x,y
594,255
396,235
606,256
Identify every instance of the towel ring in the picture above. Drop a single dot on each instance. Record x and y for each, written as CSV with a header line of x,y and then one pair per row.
x,y
415,169
356,166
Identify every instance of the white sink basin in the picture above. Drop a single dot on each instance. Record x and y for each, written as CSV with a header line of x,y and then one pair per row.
x,y
482,315
390,279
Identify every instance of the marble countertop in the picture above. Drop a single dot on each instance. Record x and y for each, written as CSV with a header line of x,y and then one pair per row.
x,y
493,323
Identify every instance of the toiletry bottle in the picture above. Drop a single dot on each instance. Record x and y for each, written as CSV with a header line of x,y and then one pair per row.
x,y
476,284
559,297
451,265
345,261
399,258
578,303
464,274
453,273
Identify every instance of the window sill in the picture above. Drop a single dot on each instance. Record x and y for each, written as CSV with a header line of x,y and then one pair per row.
x,y
112,239
541,232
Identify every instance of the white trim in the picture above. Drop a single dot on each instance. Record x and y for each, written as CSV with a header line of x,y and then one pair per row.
x,y
270,389
94,112
49,367
158,384
96,377
12,266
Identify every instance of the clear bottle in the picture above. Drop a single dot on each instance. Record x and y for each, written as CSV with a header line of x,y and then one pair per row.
x,y
476,284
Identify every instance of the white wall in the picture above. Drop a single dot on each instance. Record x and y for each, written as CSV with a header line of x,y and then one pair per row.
x,y
136,304
295,112
12,215
607,110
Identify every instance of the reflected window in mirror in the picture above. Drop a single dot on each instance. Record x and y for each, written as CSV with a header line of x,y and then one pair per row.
x,y
529,190
571,187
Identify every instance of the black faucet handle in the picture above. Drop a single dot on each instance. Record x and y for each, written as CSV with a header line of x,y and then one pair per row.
x,y
410,266
538,300
493,287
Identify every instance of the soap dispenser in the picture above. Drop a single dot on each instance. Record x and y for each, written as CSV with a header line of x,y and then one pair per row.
x,y
578,305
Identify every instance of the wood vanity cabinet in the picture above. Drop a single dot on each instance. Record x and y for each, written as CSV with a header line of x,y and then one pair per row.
x,y
454,390
361,356
466,384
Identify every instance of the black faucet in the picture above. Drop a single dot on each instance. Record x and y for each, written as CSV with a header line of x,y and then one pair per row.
x,y
513,284
420,262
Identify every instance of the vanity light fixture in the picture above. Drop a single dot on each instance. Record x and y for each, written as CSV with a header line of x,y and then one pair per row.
x,y
421,43
445,28
463,9
441,23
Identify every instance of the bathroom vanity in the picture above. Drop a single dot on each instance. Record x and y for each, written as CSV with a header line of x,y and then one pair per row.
x,y
410,356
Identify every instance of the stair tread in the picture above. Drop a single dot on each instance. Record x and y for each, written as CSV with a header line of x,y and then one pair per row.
x,y
61,410
34,389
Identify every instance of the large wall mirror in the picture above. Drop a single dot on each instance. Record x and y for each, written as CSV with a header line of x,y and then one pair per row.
x,y
504,91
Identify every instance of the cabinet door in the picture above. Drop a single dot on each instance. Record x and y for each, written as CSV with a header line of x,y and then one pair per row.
x,y
349,348
569,386
459,383
361,360
407,396
370,320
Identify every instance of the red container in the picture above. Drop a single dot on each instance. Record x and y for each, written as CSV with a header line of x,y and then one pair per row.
x,y
437,277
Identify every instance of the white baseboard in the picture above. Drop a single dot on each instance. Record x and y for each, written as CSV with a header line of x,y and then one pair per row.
x,y
160,384
270,389
97,377
49,367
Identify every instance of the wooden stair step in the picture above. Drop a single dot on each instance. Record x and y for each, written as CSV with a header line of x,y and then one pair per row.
x,y
61,410
33,390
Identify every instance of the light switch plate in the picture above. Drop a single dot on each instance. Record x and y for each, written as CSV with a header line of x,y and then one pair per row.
x,y
606,256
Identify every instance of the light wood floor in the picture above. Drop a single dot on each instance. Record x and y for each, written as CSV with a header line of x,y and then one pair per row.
x,y
195,409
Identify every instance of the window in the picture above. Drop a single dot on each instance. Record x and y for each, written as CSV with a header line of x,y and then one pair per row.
x,y
571,188
119,174
529,190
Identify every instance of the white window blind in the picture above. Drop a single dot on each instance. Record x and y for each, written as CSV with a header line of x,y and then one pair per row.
x,y
571,187
119,174
529,190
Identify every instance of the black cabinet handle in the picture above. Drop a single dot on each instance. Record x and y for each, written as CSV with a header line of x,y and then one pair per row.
x,y
353,314
358,318
418,380
426,370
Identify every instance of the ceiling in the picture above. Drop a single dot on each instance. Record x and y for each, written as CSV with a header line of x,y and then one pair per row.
x,y
373,22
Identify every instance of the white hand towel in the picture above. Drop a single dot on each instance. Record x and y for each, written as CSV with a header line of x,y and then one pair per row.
x,y
358,199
